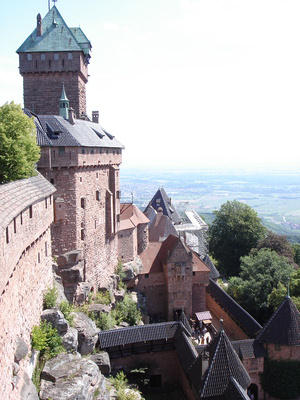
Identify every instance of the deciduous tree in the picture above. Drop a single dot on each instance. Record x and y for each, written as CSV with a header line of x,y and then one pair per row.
x,y
235,230
18,149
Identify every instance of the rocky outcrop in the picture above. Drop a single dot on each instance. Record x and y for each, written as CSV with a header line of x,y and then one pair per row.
x,y
70,377
28,391
21,350
87,332
103,362
99,308
132,268
56,318
70,340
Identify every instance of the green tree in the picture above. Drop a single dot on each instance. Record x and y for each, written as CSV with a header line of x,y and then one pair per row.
x,y
261,272
18,149
296,249
278,243
278,294
235,230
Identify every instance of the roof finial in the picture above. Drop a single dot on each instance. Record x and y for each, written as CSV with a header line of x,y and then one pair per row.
x,y
221,324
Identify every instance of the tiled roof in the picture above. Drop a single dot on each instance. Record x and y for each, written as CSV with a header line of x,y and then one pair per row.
x,y
18,195
203,315
198,264
186,351
54,130
283,327
137,334
235,391
161,199
243,319
224,364
214,273
248,348
160,226
56,36
131,216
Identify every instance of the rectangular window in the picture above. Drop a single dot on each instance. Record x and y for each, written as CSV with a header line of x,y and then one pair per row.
x,y
43,57
7,235
83,151
21,217
98,195
39,258
82,234
56,56
118,194
70,56
46,203
61,151
118,217
46,249
29,57
50,198
82,202
15,225
30,211
146,276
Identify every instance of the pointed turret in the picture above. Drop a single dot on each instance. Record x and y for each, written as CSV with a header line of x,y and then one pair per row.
x,y
64,104
224,364
283,328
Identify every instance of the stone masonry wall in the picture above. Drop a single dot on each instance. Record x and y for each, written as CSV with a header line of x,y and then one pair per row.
x,y
255,367
231,328
127,244
81,212
43,81
142,237
283,352
27,259
155,290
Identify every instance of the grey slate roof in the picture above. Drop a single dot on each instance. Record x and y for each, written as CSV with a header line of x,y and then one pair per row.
x,y
161,199
186,351
235,391
56,36
245,321
224,364
136,334
214,273
54,130
283,327
248,348
18,195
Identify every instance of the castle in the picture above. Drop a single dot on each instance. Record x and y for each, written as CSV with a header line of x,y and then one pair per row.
x,y
71,210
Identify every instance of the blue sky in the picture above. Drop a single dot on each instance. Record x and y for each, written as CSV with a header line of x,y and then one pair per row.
x,y
183,83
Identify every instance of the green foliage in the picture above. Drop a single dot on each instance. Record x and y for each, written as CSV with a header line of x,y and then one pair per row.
x,y
296,250
50,298
18,149
235,230
278,294
100,298
127,311
67,308
105,321
281,379
261,272
36,376
46,339
278,243
119,270
120,383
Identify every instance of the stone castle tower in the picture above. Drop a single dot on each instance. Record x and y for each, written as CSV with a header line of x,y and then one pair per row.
x,y
78,156
53,55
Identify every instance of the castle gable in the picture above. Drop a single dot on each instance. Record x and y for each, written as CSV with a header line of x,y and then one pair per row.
x,y
55,36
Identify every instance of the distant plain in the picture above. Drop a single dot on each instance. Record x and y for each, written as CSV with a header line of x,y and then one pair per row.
x,y
275,195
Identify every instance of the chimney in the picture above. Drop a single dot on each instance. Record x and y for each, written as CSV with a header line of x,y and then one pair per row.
x,y
71,116
95,116
39,25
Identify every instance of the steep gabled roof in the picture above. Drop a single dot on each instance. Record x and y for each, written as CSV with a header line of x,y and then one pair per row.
x,y
214,273
235,391
161,199
242,318
224,364
283,327
131,216
248,348
56,36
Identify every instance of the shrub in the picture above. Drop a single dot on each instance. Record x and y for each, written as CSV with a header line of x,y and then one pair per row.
x,y
127,311
67,308
124,392
50,298
100,298
46,339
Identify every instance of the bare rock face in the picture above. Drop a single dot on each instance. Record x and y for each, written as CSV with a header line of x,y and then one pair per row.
x,y
119,294
70,377
100,308
57,283
21,350
103,362
87,332
56,318
70,340
28,391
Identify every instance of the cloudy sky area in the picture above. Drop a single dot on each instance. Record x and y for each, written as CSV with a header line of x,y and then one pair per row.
x,y
183,83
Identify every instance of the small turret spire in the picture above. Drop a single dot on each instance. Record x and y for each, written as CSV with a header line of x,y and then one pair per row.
x,y
64,104
39,25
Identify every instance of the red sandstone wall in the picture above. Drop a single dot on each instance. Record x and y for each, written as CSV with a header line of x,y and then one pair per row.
x,y
127,244
142,237
43,80
255,367
231,328
78,228
155,290
29,272
283,352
